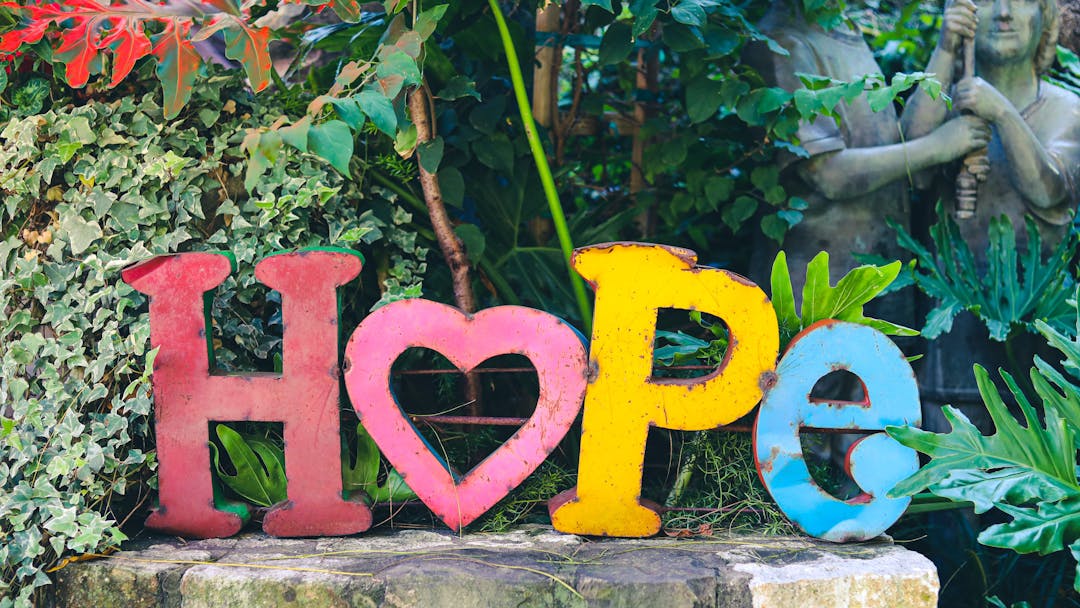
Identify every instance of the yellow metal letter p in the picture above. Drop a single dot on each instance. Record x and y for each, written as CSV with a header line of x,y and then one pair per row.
x,y
632,282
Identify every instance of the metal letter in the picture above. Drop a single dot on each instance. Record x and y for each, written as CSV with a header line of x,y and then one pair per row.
x,y
633,281
876,462
305,397
555,349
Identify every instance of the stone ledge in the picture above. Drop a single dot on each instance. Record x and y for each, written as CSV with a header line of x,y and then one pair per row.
x,y
532,566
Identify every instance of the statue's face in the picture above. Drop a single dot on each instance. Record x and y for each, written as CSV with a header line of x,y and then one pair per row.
x,y
1008,30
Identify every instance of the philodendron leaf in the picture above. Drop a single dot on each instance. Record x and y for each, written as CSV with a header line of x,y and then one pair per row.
x,y
1049,527
260,471
1045,451
362,473
1075,550
783,298
1013,288
821,301
394,490
1011,485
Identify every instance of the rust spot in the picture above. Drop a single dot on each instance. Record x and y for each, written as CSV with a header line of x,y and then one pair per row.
x,y
593,372
346,365
767,380
738,278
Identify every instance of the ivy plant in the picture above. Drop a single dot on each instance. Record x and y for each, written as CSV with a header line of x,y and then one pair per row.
x,y
80,204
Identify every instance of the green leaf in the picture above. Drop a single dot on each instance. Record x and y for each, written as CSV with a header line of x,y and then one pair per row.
x,y
398,63
431,153
81,234
718,189
774,228
616,44
379,110
495,151
394,490
458,87
427,21
783,297
645,12
1074,548
260,472
1012,289
1047,528
1043,450
405,141
740,210
262,149
604,4
332,141
452,185
702,98
473,239
689,12
296,134
682,38
362,472
1010,485
348,110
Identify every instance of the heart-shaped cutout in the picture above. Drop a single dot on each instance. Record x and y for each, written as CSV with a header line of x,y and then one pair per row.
x,y
555,350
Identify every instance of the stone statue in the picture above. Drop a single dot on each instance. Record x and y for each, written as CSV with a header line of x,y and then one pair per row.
x,y
857,172
1032,163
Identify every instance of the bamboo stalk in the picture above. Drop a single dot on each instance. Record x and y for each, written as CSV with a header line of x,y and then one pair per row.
x,y
548,61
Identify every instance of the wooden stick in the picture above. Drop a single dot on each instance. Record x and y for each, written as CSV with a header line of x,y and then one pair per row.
x,y
967,185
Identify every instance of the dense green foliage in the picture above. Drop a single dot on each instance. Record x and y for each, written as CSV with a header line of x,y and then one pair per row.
x,y
80,204
1027,471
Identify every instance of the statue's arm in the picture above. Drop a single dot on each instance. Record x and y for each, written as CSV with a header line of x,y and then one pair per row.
x,y
857,171
922,114
1033,171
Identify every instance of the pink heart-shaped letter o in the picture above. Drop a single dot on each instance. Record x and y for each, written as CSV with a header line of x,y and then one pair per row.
x,y
555,349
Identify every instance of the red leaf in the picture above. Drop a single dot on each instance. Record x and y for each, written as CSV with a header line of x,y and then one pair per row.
x,y
178,63
77,50
251,47
131,45
225,6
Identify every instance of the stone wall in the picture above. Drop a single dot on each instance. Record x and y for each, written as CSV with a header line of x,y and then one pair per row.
x,y
534,566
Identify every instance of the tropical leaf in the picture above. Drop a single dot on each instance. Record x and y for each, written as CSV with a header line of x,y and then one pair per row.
x,y
1049,527
1011,485
259,464
821,300
1045,452
362,473
1017,288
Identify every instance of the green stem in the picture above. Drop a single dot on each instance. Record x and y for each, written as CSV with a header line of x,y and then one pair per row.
x,y
546,178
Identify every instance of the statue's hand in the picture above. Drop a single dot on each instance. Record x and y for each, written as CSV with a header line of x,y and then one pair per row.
x,y
960,135
959,23
979,97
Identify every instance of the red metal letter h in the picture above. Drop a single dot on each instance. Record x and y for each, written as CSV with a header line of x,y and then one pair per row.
x,y
188,395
